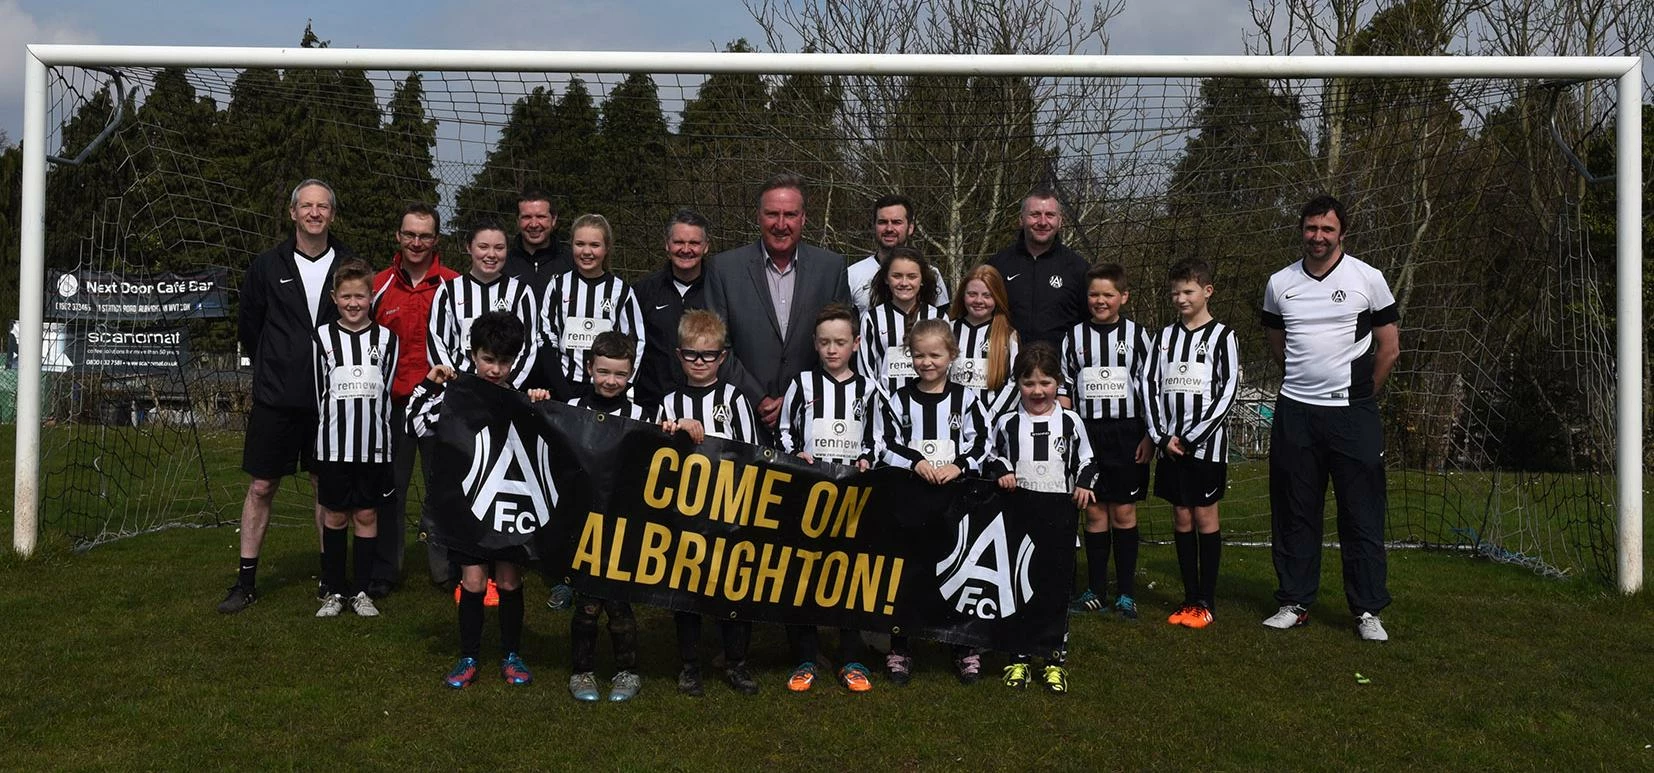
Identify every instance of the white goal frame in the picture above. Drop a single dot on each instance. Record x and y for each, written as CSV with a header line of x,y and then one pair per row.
x,y
1628,183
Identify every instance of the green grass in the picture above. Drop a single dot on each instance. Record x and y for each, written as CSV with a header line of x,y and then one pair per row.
x,y
117,660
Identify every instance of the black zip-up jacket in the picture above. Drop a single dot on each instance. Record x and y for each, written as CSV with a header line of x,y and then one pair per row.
x,y
661,372
538,267
273,322
1047,294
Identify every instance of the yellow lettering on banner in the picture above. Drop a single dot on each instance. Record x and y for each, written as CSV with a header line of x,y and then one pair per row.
x,y
738,576
655,495
769,497
831,585
615,572
817,512
808,558
691,552
771,576
651,560
591,546
849,511
864,582
700,467
731,500
711,587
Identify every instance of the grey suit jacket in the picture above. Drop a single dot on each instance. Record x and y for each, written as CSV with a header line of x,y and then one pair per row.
x,y
762,362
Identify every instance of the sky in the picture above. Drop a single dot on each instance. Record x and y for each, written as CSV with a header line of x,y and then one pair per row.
x,y
1181,27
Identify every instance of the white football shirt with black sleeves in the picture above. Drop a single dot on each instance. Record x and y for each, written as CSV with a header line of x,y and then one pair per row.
x,y
458,303
719,408
970,368
832,420
1329,321
579,309
620,406
354,373
942,428
883,357
1103,366
1050,453
1189,385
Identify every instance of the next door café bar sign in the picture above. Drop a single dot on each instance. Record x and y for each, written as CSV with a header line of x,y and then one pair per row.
x,y
110,296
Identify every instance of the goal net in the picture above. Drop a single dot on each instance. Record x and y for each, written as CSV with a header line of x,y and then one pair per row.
x,y
1499,416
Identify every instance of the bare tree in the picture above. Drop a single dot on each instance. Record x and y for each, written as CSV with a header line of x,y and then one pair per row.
x,y
965,148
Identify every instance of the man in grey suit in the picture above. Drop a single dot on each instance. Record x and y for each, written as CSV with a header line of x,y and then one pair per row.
x,y
769,294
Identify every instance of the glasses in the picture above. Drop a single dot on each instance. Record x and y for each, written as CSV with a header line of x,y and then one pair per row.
x,y
410,236
700,355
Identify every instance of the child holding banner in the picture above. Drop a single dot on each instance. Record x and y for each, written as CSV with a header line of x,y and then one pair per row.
x,y
824,419
708,405
496,338
1041,449
355,366
609,366
1103,360
935,428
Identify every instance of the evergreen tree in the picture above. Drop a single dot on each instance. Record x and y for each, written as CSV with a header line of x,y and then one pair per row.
x,y
720,157
411,139
632,148
519,160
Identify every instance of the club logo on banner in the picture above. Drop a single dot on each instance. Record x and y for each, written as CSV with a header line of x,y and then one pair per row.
x,y
735,531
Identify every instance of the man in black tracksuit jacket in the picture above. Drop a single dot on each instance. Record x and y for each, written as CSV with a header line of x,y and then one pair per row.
x,y
1043,277
284,296
664,296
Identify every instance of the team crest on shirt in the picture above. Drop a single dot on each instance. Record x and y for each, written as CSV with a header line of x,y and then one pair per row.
x,y
720,413
1056,282
374,353
953,421
1060,445
608,306
501,305
1120,348
855,410
1201,349
1338,296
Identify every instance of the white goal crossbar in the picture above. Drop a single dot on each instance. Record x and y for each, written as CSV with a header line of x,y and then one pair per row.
x,y
1626,70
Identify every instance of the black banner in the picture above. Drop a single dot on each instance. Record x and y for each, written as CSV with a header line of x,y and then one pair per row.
x,y
731,530
104,295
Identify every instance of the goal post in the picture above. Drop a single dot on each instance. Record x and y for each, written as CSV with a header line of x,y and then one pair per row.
x,y
1628,182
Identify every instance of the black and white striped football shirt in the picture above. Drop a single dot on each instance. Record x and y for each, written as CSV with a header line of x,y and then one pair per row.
x,y
1102,368
719,407
458,303
970,368
1189,385
354,373
943,428
883,357
1049,454
578,309
832,420
619,406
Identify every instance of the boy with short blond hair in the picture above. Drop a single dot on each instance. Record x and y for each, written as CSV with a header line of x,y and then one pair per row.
x,y
708,405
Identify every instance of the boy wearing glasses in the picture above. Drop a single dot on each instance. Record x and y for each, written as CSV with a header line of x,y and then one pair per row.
x,y
708,405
